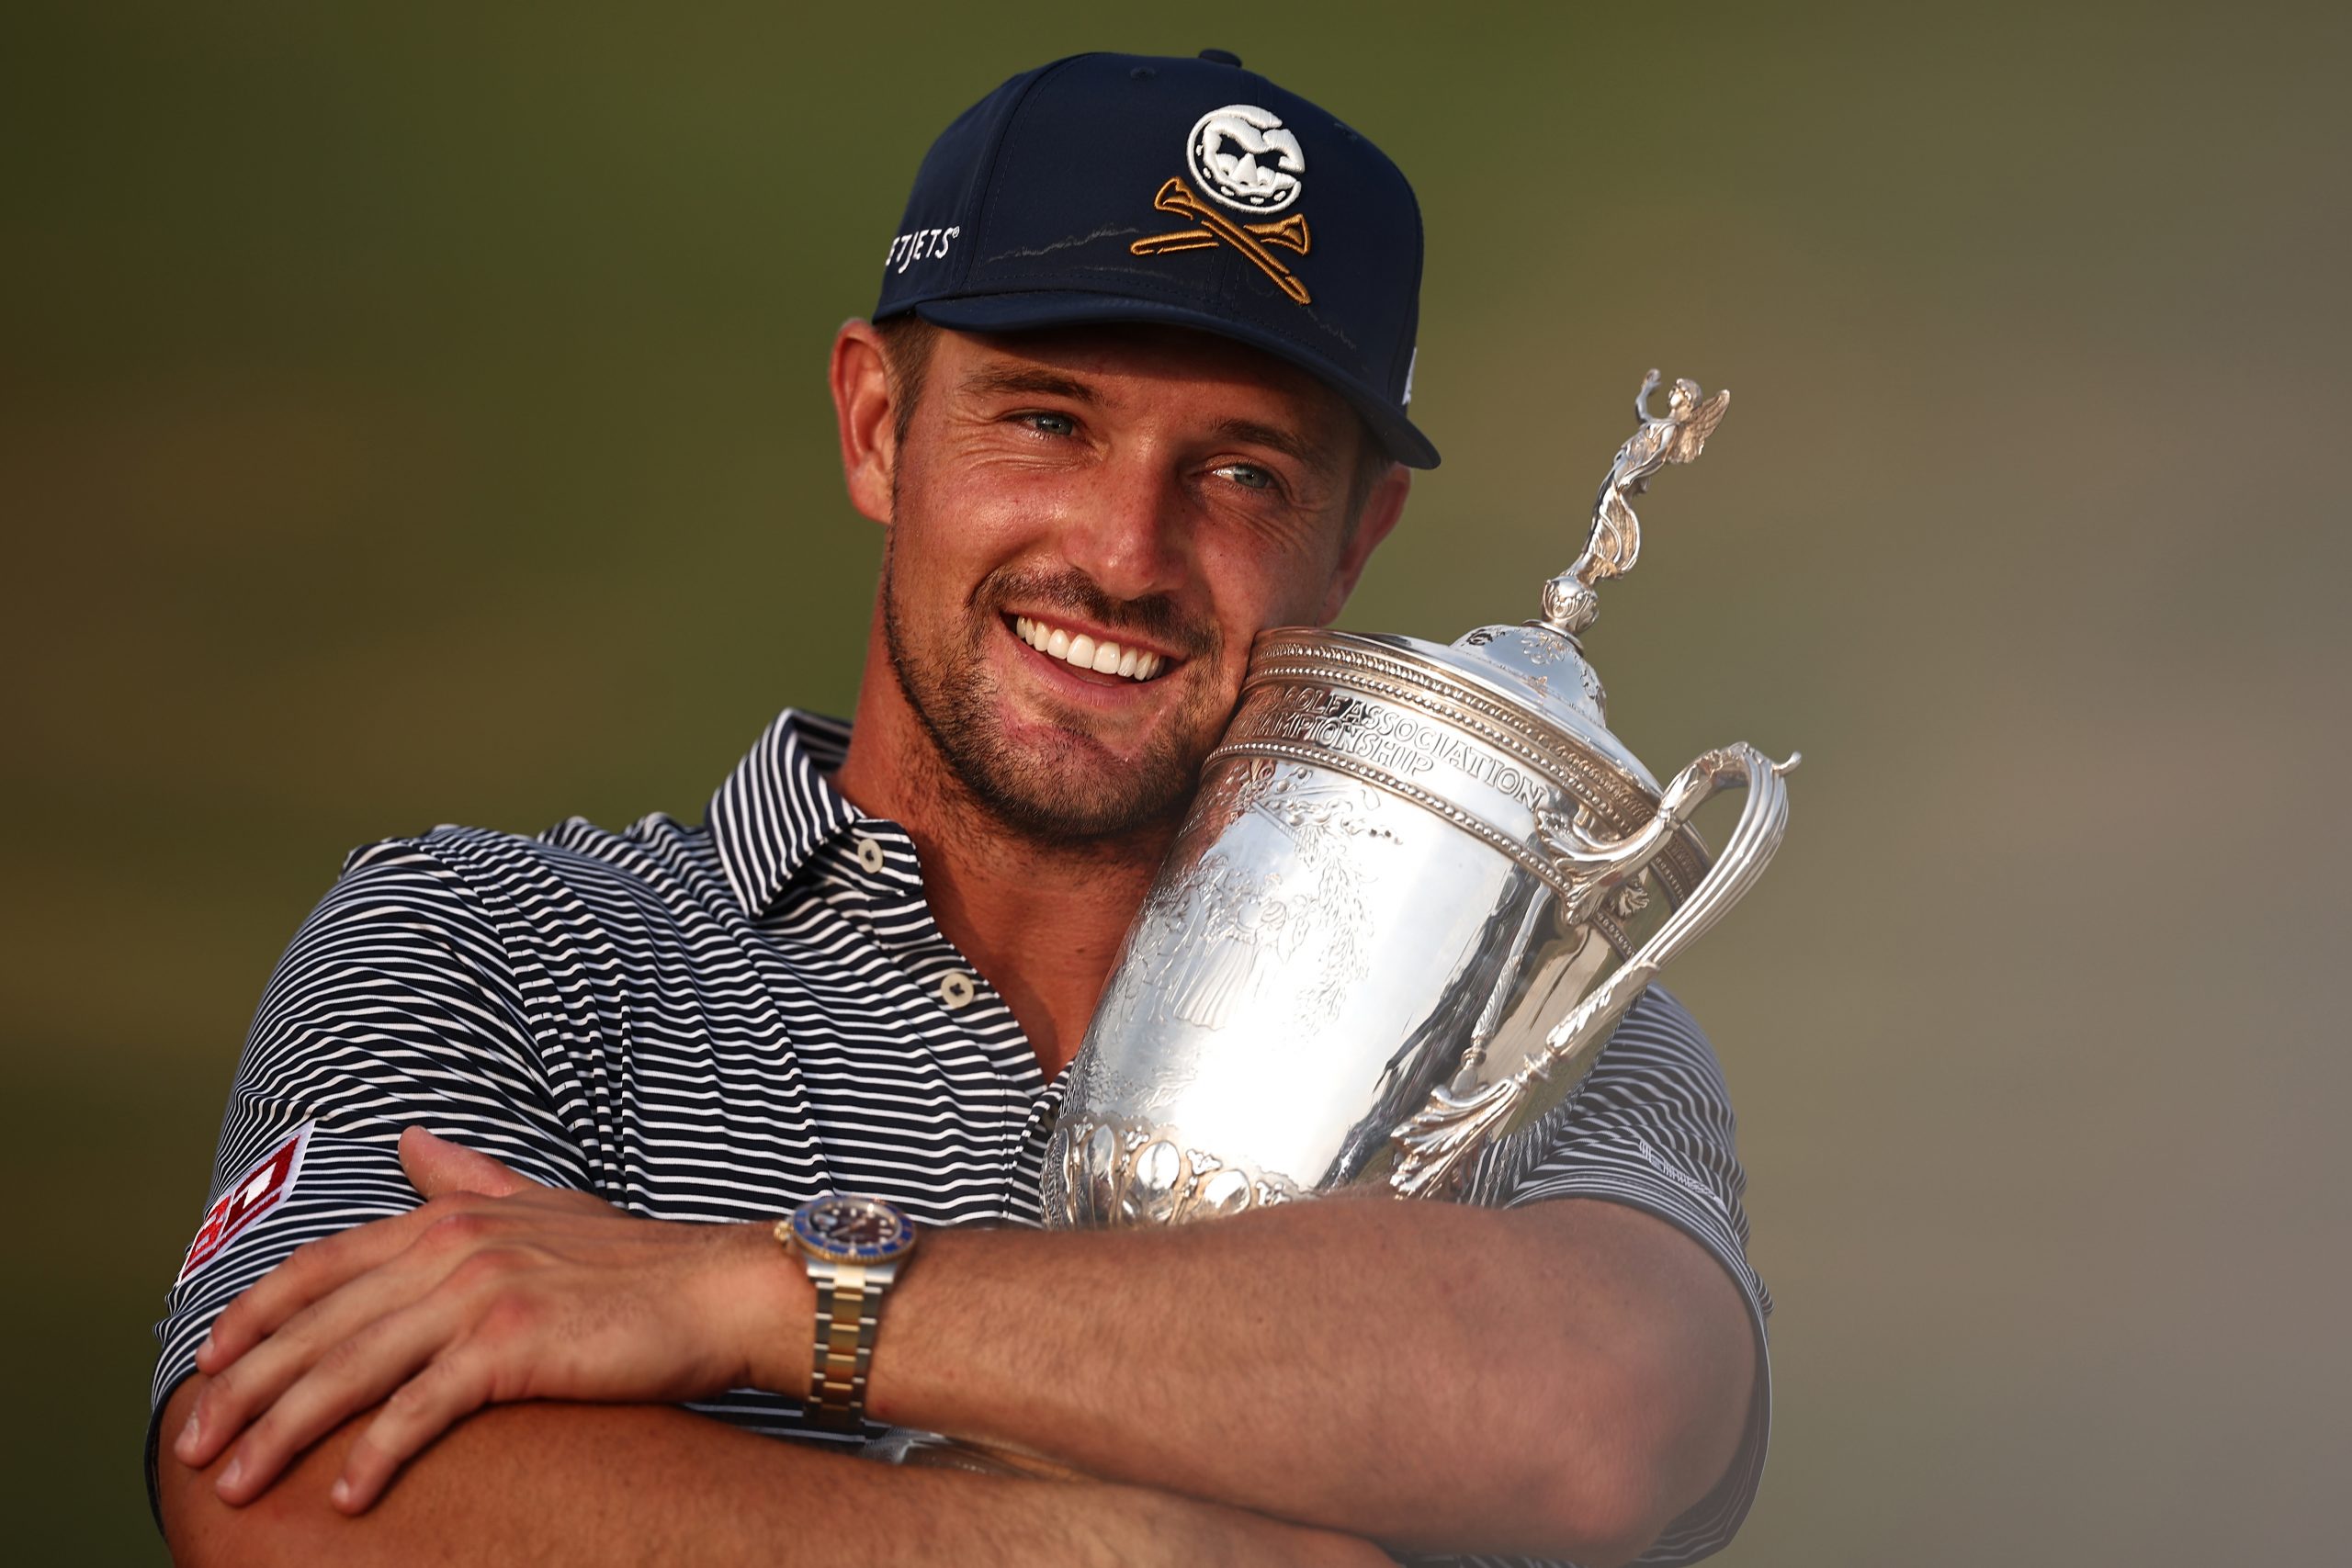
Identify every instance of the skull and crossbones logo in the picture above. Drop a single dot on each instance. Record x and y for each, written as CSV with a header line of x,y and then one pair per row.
x,y
1246,159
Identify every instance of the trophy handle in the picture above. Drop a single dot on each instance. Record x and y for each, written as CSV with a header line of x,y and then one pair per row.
x,y
1435,1146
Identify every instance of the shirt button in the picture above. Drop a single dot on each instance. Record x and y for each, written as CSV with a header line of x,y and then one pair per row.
x,y
956,989
869,854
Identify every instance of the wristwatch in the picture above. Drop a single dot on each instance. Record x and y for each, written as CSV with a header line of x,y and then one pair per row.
x,y
853,1248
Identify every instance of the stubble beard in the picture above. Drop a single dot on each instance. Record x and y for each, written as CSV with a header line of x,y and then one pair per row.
x,y
1069,795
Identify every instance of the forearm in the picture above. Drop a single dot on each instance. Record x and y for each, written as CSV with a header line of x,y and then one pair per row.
x,y
581,1485
1559,1379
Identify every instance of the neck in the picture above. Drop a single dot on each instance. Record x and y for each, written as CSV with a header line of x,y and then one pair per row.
x,y
1041,920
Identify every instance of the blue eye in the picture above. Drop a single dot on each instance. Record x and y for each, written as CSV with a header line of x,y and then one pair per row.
x,y
1249,476
1050,424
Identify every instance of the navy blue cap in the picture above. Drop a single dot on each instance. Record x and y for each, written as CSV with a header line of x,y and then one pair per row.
x,y
1119,188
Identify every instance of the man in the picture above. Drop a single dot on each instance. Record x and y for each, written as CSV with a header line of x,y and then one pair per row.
x,y
1136,391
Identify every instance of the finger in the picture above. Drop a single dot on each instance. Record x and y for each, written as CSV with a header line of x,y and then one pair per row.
x,y
242,1393
453,1386
353,1374
256,1375
435,1166
312,1271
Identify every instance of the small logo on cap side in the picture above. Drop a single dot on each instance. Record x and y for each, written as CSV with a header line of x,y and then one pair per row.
x,y
1242,155
923,245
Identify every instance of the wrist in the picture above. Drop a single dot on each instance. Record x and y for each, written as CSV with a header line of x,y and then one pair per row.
x,y
768,1305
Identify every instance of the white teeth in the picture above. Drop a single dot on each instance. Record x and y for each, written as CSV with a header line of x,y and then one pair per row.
x,y
1105,657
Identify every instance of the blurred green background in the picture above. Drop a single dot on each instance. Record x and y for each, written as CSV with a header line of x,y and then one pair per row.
x,y
414,414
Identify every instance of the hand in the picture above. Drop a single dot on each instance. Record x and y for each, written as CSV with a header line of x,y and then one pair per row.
x,y
494,1289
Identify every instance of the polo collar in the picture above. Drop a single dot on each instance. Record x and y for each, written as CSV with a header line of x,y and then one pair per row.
x,y
779,806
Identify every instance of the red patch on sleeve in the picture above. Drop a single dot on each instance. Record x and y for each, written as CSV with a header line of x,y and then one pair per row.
x,y
264,1185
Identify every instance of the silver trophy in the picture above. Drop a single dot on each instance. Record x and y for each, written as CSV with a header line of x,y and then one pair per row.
x,y
1418,887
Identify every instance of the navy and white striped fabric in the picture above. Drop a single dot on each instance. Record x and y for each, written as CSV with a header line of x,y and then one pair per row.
x,y
718,1022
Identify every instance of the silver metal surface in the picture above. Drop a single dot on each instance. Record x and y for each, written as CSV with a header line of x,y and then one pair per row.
x,y
1569,602
1418,887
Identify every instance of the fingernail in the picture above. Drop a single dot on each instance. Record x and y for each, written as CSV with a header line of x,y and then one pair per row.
x,y
341,1492
188,1437
228,1476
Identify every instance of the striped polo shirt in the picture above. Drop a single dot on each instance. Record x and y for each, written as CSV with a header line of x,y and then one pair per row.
x,y
719,1021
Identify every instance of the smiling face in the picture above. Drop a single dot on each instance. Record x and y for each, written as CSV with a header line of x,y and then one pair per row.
x,y
1088,528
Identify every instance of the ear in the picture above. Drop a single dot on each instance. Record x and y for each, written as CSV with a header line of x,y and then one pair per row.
x,y
1382,508
862,407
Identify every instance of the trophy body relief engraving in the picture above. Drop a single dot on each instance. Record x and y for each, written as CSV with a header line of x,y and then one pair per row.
x,y
1280,949
1231,918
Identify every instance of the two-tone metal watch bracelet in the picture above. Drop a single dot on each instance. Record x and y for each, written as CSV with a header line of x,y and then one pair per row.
x,y
852,1248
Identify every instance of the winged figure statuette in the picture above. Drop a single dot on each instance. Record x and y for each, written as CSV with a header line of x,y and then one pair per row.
x,y
1569,602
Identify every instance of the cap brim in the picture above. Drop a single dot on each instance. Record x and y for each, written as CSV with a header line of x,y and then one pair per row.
x,y
1062,307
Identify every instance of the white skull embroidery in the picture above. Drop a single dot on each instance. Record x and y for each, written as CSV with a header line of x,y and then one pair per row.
x,y
1244,158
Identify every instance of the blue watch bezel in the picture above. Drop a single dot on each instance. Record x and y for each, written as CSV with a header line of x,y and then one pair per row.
x,y
900,1240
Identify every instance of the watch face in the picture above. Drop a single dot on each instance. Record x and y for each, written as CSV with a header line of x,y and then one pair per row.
x,y
852,1230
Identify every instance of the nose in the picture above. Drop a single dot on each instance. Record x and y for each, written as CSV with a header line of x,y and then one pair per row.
x,y
1132,536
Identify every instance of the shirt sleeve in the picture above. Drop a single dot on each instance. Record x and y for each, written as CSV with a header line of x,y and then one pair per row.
x,y
396,1005
1651,1127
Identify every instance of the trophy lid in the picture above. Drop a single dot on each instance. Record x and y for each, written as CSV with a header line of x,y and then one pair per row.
x,y
1540,664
